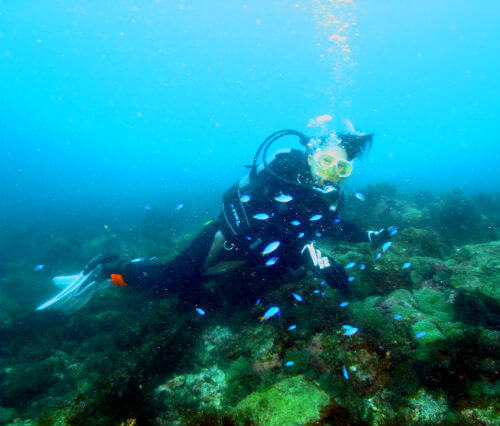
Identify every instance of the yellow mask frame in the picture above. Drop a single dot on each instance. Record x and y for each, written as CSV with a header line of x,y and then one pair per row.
x,y
329,164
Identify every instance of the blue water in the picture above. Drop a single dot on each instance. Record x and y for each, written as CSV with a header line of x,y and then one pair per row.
x,y
109,105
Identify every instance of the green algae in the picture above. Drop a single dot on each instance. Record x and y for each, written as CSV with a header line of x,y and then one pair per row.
x,y
435,304
427,408
479,269
291,401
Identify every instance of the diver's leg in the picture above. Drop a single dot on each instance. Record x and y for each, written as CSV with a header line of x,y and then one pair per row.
x,y
182,274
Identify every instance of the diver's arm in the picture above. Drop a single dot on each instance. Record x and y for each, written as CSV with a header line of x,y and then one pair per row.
x,y
347,231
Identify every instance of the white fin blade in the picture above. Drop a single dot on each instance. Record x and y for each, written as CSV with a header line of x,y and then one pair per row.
x,y
65,281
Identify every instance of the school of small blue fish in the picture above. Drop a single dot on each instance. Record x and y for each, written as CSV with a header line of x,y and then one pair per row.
x,y
271,247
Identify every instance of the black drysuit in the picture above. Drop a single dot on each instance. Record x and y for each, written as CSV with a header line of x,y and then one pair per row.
x,y
254,215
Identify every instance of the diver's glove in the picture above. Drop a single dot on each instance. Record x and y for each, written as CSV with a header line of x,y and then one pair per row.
x,y
377,238
328,269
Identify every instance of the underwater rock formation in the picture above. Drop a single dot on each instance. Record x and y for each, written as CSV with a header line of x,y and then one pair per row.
x,y
426,350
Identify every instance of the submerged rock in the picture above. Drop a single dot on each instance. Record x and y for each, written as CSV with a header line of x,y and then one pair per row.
x,y
293,401
426,408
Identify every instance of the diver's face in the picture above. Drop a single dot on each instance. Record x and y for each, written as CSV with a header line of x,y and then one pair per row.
x,y
330,164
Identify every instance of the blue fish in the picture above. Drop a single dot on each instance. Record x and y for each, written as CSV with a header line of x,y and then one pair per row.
x,y
271,312
316,291
406,265
270,248
386,246
147,207
179,206
393,232
319,234
351,331
283,198
350,265
420,334
360,196
351,279
344,304
378,255
362,266
258,301
322,282
245,198
289,363
295,222
271,261
398,317
323,293
261,216
336,221
292,327
301,234
38,267
200,311
344,372
297,297
315,217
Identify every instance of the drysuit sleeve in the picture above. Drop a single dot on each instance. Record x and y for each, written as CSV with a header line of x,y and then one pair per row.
x,y
347,231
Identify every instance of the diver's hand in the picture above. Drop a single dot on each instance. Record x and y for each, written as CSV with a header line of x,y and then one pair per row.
x,y
377,238
328,269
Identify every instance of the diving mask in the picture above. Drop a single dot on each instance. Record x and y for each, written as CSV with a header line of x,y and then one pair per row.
x,y
329,164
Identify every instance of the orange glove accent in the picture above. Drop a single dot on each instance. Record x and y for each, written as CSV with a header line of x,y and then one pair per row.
x,y
118,280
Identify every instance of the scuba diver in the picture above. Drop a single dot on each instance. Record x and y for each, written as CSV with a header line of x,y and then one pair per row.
x,y
270,221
